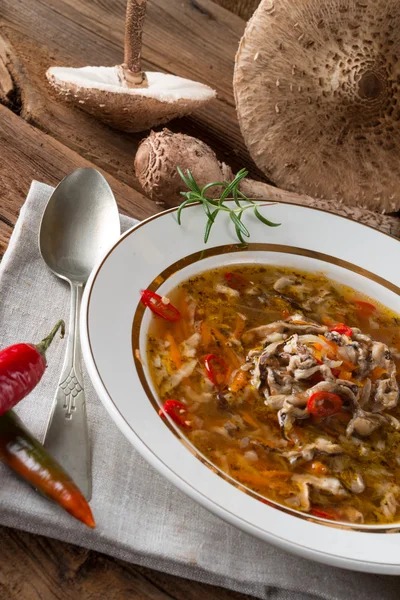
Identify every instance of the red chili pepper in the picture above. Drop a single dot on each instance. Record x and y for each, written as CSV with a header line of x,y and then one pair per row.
x,y
177,411
216,369
165,310
236,281
365,309
324,404
326,513
342,329
28,458
21,368
316,378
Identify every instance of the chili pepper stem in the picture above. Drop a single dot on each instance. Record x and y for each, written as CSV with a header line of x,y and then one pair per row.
x,y
45,343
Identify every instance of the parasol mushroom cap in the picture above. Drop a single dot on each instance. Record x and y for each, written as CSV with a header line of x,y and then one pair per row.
x,y
124,96
159,155
102,92
317,94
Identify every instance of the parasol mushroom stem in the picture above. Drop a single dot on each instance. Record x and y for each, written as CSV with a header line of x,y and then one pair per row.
x,y
160,153
123,96
132,67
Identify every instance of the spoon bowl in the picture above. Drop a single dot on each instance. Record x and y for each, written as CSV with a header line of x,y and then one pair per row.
x,y
79,224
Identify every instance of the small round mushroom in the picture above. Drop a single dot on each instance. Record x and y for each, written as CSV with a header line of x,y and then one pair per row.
x,y
124,96
160,154
317,95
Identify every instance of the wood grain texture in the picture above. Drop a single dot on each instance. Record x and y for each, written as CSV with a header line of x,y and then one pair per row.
x,y
32,567
37,568
191,38
44,140
31,154
242,8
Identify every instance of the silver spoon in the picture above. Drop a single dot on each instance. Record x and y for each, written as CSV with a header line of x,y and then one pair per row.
x,y
78,225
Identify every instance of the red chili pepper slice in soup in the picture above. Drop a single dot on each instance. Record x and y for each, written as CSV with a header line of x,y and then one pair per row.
x,y
336,372
160,306
216,369
364,309
325,513
324,404
177,411
342,329
236,281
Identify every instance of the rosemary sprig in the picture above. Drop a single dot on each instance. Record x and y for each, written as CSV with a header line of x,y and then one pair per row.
x,y
213,206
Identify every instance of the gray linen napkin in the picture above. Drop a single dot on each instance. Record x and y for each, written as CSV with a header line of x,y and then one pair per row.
x,y
141,517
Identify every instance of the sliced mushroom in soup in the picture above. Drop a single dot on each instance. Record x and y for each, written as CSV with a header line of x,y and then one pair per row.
x,y
288,382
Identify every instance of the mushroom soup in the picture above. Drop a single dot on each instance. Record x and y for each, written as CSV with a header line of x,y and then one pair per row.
x,y
287,382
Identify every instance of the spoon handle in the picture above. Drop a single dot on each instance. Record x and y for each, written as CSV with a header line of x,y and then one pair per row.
x,y
67,436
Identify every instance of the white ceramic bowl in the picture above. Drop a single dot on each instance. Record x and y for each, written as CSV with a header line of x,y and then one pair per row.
x,y
158,253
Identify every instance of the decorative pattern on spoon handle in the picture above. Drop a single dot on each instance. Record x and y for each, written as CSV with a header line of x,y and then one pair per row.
x,y
71,381
71,388
67,437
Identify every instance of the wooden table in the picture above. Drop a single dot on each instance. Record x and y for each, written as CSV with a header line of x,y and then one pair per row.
x,y
41,138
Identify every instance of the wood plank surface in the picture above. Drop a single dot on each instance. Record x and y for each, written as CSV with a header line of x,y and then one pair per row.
x,y
243,8
31,154
37,568
192,38
41,138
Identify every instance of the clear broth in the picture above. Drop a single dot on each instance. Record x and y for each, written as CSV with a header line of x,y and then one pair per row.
x,y
235,429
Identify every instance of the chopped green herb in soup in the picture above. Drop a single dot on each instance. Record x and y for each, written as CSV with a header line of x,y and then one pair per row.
x,y
288,383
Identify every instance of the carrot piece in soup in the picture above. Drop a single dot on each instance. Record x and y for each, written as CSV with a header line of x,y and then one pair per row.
x,y
318,468
239,382
205,332
377,373
174,353
346,375
239,328
229,353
